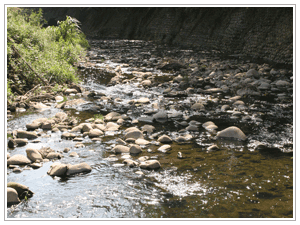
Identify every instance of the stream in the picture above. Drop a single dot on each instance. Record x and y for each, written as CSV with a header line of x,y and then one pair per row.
x,y
238,179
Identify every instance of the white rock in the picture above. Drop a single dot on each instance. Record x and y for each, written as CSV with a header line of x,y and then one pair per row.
x,y
164,148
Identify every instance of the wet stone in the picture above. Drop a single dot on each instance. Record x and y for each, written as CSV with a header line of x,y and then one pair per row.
x,y
121,149
18,160
232,133
150,164
135,149
164,148
27,134
78,168
165,139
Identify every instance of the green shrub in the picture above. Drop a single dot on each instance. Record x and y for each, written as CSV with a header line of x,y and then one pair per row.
x,y
51,52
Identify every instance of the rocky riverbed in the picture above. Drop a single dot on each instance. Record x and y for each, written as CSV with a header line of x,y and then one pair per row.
x,y
154,131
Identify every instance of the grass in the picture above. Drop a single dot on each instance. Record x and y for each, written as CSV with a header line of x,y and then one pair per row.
x,y
99,116
52,52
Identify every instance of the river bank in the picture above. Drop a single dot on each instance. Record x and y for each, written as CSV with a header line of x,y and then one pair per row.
x,y
151,122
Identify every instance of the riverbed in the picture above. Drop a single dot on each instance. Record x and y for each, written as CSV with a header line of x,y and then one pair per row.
x,y
235,179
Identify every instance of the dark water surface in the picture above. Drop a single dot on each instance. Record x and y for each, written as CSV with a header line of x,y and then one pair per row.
x,y
238,181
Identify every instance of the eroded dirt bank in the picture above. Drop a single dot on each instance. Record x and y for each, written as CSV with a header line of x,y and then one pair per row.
x,y
259,32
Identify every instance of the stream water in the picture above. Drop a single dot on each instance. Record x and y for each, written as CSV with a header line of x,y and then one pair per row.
x,y
237,181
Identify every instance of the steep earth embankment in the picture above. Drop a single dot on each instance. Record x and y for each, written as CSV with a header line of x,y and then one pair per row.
x,y
259,32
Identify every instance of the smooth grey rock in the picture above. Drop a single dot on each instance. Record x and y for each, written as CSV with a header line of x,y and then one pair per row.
x,y
121,149
135,149
21,189
54,155
150,164
135,134
34,155
232,133
34,125
95,133
79,168
58,170
161,116
110,126
18,160
12,196
27,134
165,139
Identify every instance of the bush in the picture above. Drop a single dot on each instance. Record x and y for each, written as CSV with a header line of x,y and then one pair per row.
x,y
52,52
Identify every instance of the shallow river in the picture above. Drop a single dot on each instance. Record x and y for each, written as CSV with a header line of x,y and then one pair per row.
x,y
237,181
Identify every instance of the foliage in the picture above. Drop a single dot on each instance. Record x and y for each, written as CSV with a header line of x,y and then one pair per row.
x,y
51,52
99,116
9,92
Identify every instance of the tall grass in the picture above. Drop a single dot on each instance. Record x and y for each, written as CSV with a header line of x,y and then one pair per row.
x,y
52,52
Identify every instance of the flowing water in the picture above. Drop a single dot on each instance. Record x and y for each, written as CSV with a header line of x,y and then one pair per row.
x,y
238,181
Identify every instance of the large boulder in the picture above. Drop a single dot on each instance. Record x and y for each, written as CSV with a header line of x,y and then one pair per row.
x,y
58,170
27,134
79,168
12,197
232,133
21,189
34,125
33,155
18,160
17,142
